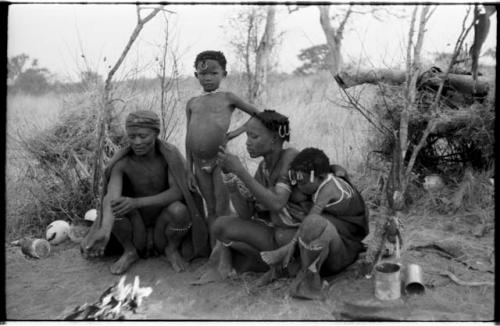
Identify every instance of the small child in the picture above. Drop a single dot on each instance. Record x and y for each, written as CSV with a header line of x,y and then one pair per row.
x,y
208,120
322,188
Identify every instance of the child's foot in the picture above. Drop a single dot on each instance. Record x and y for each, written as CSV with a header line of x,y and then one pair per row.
x,y
277,256
125,261
174,258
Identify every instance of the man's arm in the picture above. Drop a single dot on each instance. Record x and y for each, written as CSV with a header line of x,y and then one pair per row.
x,y
164,198
114,191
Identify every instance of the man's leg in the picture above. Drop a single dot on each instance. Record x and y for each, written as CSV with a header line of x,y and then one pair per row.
x,y
139,233
171,227
177,228
122,229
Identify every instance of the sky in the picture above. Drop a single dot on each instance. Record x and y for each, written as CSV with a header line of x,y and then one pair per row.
x,y
69,38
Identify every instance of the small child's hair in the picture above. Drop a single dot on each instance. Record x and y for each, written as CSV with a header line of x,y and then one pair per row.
x,y
211,55
275,121
311,159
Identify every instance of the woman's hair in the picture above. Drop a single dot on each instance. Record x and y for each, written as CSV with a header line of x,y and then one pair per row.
x,y
211,55
276,122
311,159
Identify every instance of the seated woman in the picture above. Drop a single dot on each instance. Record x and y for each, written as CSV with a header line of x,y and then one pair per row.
x,y
258,200
330,234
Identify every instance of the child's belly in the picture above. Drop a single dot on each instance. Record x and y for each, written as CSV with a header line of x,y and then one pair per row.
x,y
204,139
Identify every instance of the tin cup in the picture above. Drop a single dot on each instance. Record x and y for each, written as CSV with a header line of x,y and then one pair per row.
x,y
387,281
414,279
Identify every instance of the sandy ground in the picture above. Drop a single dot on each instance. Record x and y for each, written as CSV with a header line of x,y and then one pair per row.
x,y
49,288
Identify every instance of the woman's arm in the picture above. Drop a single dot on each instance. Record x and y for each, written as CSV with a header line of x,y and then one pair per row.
x,y
273,198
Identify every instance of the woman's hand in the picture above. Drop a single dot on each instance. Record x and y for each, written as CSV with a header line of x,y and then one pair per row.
x,y
123,205
229,162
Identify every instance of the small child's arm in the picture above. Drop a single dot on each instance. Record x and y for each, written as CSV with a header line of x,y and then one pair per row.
x,y
242,105
189,156
236,132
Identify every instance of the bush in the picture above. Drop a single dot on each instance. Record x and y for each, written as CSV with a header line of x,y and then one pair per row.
x,y
61,165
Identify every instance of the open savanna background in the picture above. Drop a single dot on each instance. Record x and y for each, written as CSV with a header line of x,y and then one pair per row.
x,y
52,142
318,118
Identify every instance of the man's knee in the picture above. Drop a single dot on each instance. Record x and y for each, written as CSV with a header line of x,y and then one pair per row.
x,y
177,213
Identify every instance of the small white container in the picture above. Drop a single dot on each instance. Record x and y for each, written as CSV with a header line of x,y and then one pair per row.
x,y
387,281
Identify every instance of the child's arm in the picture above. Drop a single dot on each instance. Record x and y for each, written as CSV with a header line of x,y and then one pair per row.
x,y
236,132
189,156
242,105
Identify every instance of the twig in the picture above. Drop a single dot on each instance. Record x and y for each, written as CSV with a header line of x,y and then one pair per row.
x,y
455,279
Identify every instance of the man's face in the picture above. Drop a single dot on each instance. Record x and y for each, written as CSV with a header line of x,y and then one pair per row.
x,y
141,140
209,73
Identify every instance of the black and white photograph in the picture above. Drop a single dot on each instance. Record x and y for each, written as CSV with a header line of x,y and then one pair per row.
x,y
351,174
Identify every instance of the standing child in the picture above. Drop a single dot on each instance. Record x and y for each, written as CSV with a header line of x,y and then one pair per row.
x,y
208,120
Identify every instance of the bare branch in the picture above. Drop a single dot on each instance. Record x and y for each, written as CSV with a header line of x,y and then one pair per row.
x,y
135,33
340,30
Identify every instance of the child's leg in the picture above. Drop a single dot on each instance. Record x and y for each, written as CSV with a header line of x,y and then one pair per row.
x,y
205,183
221,194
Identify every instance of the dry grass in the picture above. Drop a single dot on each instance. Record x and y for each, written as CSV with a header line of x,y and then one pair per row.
x,y
310,102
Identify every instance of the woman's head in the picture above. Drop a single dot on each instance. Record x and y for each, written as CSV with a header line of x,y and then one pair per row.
x,y
267,131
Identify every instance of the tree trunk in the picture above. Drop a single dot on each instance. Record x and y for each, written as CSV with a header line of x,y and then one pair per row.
x,y
262,59
459,83
333,39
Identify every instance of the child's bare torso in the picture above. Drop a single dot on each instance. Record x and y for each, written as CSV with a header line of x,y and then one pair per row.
x,y
147,178
208,125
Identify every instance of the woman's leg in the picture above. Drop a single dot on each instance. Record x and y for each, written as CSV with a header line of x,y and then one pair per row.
x,y
247,237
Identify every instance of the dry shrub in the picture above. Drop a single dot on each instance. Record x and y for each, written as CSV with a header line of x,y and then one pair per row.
x,y
61,159
473,193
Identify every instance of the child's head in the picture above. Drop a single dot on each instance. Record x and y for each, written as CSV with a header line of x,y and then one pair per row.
x,y
210,69
308,169
267,129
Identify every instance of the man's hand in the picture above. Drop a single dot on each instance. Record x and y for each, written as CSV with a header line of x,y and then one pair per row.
x,y
229,162
123,205
94,243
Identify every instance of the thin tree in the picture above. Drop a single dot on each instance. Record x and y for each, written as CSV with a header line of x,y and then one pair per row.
x,y
254,47
107,103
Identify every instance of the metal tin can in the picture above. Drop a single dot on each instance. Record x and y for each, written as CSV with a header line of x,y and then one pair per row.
x,y
387,281
414,283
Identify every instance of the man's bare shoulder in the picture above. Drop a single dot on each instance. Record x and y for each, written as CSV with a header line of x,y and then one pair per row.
x,y
122,163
